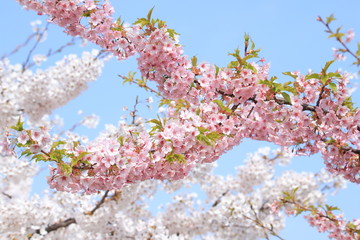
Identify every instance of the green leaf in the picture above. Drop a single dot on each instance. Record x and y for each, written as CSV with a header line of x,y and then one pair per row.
x,y
295,190
76,143
26,153
202,129
164,102
219,103
213,136
86,162
118,21
172,33
236,53
337,35
142,22
57,143
286,97
207,137
194,61
348,103
233,64
327,65
155,121
265,82
150,13
203,139
175,157
87,13
217,69
333,75
74,161
121,140
83,154
129,78
287,196
57,155
161,23
65,168
246,38
333,87
358,51
19,125
299,211
314,75
39,157
331,208
290,74
330,19
250,67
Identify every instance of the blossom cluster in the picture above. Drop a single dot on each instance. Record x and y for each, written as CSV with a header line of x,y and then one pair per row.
x,y
37,93
336,226
237,206
210,109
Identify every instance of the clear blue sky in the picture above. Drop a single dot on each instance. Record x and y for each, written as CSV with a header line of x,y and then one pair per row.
x,y
286,31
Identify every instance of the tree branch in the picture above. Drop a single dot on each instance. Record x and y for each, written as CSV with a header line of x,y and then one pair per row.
x,y
329,30
69,221
98,205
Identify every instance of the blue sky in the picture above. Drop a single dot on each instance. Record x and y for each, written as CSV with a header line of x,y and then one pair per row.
x,y
286,31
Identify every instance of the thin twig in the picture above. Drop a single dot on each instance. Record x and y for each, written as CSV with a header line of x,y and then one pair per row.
x,y
329,30
133,113
59,50
55,226
15,50
7,195
34,47
259,223
219,199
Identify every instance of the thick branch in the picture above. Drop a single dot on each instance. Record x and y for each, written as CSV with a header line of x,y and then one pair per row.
x,y
62,224
56,226
69,221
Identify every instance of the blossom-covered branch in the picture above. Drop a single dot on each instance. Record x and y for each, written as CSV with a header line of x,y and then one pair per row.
x,y
210,109
321,217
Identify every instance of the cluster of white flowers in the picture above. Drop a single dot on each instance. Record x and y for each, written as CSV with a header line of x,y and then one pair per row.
x,y
226,207
38,93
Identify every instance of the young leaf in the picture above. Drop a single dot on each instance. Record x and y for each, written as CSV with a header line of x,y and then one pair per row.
x,y
150,13
57,143
327,65
19,125
314,75
65,168
330,19
290,74
286,97
194,61
333,87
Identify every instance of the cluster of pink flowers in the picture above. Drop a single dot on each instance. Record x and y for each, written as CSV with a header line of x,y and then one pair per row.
x,y
335,225
210,110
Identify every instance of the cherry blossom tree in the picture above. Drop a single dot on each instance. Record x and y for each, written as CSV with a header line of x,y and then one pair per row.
x,y
209,110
